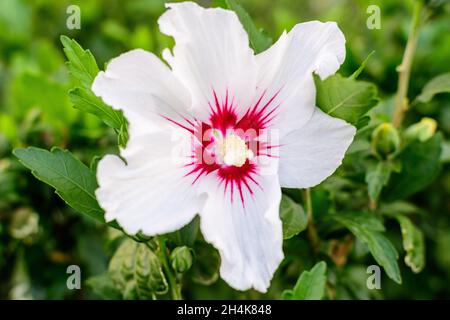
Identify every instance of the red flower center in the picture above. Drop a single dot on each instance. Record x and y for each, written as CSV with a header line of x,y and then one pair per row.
x,y
229,145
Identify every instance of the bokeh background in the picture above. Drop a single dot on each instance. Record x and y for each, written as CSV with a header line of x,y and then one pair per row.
x,y
40,236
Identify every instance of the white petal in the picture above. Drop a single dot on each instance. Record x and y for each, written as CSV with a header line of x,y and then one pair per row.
x,y
211,52
150,192
141,85
288,66
249,237
309,155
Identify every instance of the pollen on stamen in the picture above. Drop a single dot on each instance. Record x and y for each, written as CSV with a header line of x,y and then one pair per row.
x,y
227,145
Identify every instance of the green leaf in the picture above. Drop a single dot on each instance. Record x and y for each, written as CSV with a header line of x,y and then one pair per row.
x,y
85,100
397,207
420,166
81,63
367,228
258,40
310,285
130,291
376,178
121,265
362,122
293,217
83,67
205,269
30,91
345,98
187,235
73,181
360,219
94,163
362,66
439,84
122,135
103,286
413,243
148,273
137,271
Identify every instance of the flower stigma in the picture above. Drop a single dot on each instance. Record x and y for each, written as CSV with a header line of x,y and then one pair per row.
x,y
234,151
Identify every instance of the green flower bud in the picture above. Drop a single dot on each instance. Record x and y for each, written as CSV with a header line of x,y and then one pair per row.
x,y
422,130
181,259
385,139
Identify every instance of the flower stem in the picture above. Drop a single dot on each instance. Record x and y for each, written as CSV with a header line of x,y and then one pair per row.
x,y
372,204
175,288
404,69
312,232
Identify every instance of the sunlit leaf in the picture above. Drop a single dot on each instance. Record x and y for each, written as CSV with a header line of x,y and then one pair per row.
x,y
81,63
87,101
310,285
362,66
345,98
83,67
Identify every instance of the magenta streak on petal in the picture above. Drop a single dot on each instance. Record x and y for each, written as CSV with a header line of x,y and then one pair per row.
x,y
179,124
223,117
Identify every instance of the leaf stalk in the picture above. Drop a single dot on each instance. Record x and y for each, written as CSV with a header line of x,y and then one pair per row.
x,y
404,69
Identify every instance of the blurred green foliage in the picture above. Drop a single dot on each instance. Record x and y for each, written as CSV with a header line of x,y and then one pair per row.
x,y
40,235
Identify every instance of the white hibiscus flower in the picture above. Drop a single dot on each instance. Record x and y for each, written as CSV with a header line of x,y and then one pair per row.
x,y
220,100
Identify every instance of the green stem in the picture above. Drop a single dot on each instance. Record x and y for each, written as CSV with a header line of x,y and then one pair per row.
x,y
312,232
404,69
373,204
175,288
